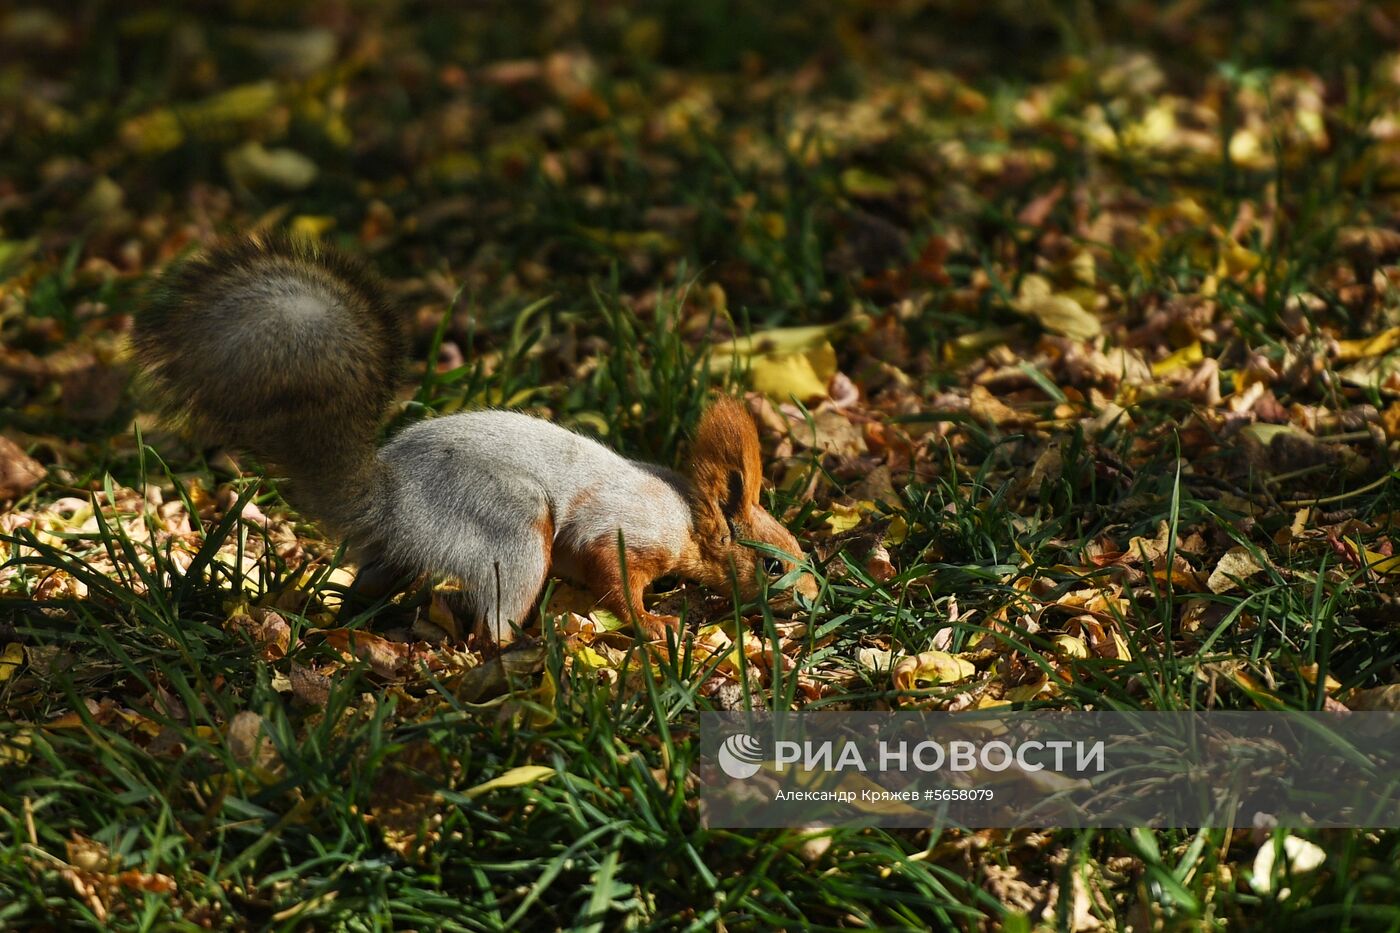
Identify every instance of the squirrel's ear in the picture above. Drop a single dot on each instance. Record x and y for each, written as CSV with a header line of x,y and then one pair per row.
x,y
734,499
726,465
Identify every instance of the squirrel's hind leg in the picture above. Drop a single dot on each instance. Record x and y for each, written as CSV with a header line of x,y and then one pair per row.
x,y
504,588
377,579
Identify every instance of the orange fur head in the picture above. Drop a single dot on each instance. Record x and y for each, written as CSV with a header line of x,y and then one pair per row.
x,y
726,475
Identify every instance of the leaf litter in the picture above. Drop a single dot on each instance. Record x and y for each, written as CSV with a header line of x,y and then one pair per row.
x,y
1084,379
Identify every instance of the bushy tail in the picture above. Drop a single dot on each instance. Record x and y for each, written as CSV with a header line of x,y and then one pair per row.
x,y
284,349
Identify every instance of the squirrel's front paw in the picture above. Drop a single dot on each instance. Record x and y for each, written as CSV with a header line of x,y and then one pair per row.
x,y
656,626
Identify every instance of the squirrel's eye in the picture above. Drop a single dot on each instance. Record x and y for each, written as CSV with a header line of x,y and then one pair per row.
x,y
772,566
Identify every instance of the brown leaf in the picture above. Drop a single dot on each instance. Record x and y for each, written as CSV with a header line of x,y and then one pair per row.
x,y
311,687
991,411
19,472
385,657
1235,564
878,564
247,743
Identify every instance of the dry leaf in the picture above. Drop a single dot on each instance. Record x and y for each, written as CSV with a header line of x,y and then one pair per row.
x,y
1381,699
386,658
311,687
19,472
930,669
1299,855
247,743
11,660
1376,345
1057,313
1234,565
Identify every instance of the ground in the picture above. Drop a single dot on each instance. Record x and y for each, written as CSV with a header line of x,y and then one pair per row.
x,y
1070,332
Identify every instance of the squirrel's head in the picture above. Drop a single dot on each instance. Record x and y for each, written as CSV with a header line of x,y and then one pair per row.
x,y
726,476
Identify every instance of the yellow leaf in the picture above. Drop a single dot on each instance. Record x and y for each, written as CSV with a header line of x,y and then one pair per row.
x,y
1247,150
1189,210
1057,313
1309,673
1068,646
1025,693
14,749
632,241
1121,647
785,340
164,129
153,133
1375,560
784,361
235,105
1186,356
606,621
251,164
1264,433
787,375
1237,260
1082,267
1377,345
440,613
591,659
967,347
311,226
716,642
11,660
515,777
898,531
861,183
929,669
843,518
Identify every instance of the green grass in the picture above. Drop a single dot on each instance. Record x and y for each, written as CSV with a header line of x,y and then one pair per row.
x,y
573,244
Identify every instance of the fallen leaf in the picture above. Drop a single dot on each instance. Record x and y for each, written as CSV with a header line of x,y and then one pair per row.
x,y
1070,647
784,376
19,472
248,744
879,566
515,777
165,128
11,660
1299,855
309,686
930,669
1234,565
1376,345
843,518
1057,313
875,659
1381,699
385,657
1186,357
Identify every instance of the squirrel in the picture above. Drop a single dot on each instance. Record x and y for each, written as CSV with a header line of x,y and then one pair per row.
x,y
292,351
